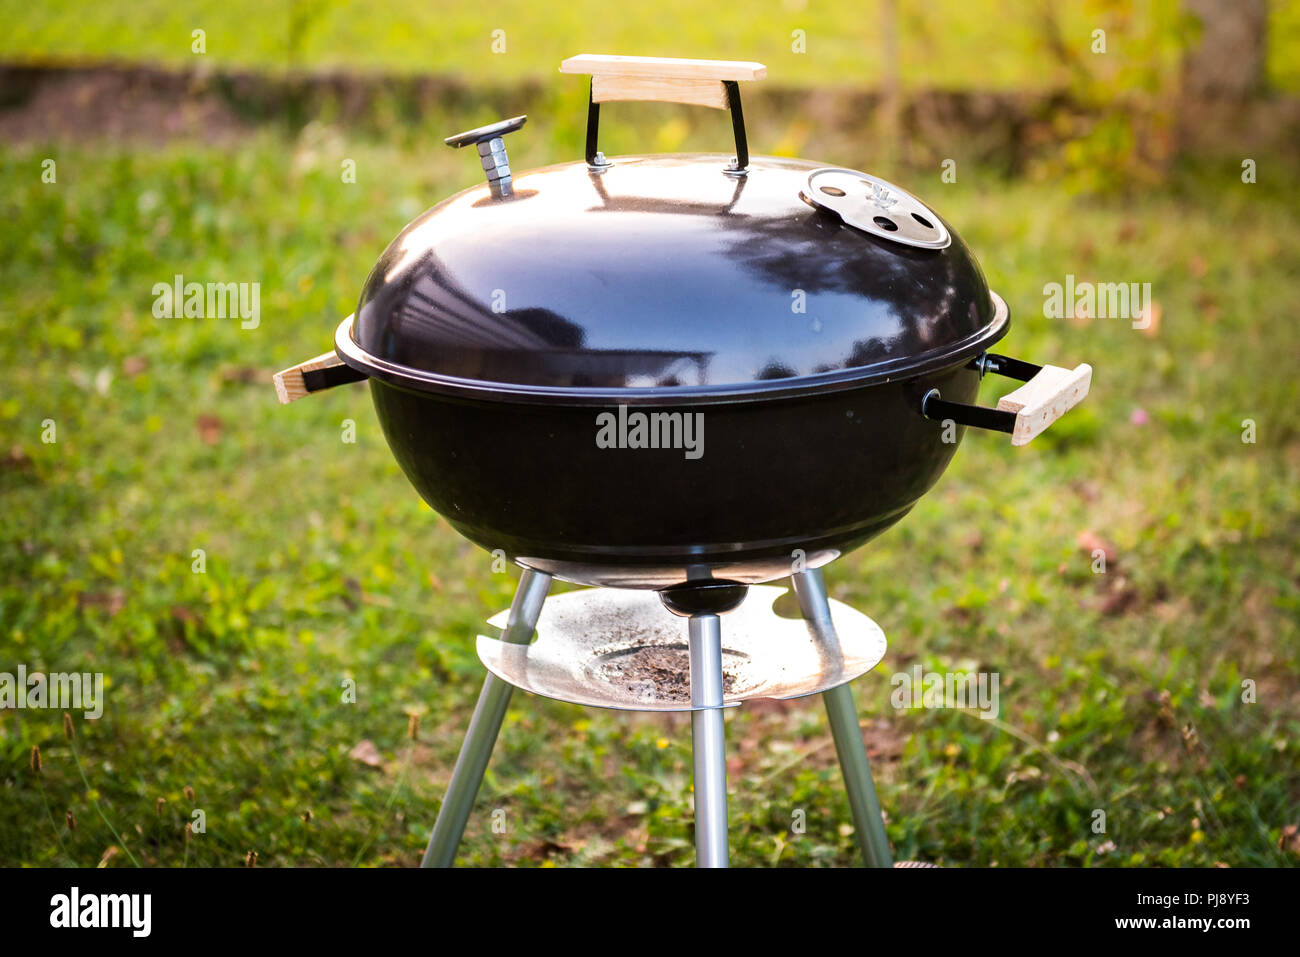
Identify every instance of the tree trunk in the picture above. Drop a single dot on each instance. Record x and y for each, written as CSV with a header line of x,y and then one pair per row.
x,y
1228,62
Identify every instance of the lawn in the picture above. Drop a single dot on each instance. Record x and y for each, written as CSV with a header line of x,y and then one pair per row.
x,y
226,671
951,44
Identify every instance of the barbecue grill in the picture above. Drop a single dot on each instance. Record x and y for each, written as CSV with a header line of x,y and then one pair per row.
x,y
677,378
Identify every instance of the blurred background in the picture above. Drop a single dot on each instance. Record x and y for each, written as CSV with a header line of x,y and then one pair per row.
x,y
231,567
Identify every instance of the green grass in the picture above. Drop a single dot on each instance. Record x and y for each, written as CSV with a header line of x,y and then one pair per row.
x,y
1120,692
943,44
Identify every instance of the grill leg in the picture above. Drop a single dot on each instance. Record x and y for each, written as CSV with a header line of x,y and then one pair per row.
x,y
484,728
868,825
708,740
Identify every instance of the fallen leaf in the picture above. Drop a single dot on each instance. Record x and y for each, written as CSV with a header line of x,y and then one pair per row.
x,y
17,458
1091,543
110,602
1290,839
1207,303
1151,317
1088,491
184,615
543,849
366,752
209,428
1120,599
352,594
245,375
178,638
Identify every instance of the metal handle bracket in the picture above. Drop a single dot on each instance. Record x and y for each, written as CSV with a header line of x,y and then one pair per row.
x,y
713,83
1048,393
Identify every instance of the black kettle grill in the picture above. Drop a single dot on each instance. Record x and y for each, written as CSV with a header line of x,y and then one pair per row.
x,y
686,373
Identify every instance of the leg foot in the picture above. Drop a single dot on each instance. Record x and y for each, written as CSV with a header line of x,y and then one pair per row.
x,y
483,728
868,825
708,739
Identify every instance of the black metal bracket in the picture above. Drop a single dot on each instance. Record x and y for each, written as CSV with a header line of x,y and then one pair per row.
x,y
934,406
714,597
314,380
981,417
1017,369
738,166
594,160
741,163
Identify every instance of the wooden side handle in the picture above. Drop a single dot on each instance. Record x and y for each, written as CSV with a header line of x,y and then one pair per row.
x,y
314,375
661,79
1046,397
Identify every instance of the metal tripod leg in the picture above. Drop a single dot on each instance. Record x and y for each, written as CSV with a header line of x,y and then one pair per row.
x,y
868,825
484,727
708,741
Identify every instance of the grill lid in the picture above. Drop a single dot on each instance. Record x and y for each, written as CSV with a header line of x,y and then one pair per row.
x,y
665,273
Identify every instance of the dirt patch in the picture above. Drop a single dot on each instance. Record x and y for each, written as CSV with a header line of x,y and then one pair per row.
x,y
73,102
152,106
884,741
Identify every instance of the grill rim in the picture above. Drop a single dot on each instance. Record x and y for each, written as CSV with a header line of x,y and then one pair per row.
x,y
905,367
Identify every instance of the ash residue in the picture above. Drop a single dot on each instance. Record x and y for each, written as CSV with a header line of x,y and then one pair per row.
x,y
660,671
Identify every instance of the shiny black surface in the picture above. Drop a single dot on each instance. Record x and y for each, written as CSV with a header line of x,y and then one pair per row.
x,y
662,273
784,480
707,598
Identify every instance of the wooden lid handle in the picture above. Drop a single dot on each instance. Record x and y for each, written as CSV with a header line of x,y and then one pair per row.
x,y
661,79
712,83
662,67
